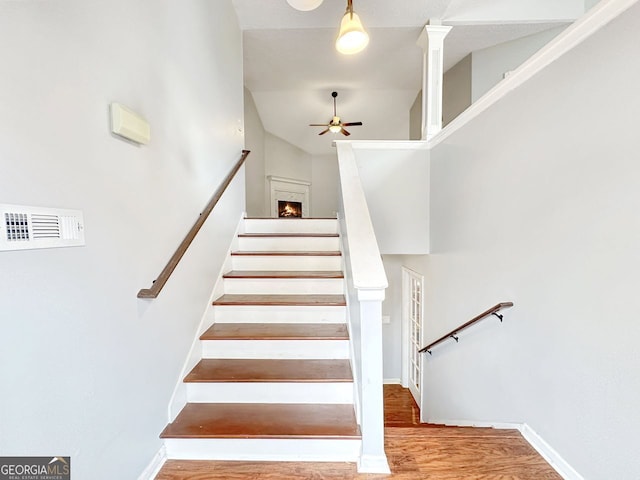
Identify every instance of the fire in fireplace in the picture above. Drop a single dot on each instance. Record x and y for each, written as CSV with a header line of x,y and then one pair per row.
x,y
289,209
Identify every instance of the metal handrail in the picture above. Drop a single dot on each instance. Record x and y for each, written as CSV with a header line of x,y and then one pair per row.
x,y
452,334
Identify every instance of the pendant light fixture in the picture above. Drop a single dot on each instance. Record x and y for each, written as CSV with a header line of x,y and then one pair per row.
x,y
305,5
352,37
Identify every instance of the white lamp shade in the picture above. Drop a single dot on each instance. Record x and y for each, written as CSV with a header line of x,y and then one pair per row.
x,y
305,5
352,37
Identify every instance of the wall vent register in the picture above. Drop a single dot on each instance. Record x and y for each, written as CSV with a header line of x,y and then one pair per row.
x,y
23,228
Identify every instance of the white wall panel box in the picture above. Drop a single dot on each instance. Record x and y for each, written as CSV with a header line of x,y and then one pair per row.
x,y
24,228
128,124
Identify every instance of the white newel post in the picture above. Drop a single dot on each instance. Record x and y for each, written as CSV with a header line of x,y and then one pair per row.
x,y
373,458
432,42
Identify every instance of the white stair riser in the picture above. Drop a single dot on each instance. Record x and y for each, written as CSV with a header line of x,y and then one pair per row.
x,y
294,286
289,450
287,349
285,244
285,262
289,225
279,314
270,392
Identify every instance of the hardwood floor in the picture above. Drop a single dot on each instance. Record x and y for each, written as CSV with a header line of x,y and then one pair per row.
x,y
270,370
282,300
263,420
426,452
276,331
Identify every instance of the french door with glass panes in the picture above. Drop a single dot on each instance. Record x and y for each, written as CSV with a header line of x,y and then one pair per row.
x,y
412,306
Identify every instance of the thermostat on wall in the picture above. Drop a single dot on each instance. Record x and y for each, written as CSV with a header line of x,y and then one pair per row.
x,y
128,124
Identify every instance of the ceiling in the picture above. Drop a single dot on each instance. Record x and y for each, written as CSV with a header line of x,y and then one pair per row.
x,y
291,66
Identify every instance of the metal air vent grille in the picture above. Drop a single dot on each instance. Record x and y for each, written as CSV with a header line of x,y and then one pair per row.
x,y
37,227
17,227
45,226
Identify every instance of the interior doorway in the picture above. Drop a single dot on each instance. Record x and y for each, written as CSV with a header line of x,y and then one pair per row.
x,y
412,317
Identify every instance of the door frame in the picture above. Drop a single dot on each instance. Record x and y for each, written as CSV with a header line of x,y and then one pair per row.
x,y
407,276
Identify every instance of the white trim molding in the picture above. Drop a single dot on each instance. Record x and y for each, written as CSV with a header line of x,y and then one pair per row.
x,y
592,21
158,460
546,451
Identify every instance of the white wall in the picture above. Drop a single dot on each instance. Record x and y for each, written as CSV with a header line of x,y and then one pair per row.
x,y
255,165
415,118
456,89
86,368
392,307
393,176
325,186
590,3
536,201
490,64
286,160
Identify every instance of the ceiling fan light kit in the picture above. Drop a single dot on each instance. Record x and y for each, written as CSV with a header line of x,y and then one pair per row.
x,y
352,37
335,125
305,5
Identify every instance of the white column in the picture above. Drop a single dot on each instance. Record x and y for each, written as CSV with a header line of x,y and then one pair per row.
x,y
432,42
373,458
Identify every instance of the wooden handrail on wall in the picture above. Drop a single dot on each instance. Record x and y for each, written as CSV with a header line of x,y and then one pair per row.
x,y
159,282
452,334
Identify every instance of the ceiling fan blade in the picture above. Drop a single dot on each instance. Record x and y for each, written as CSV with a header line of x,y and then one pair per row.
x,y
323,132
344,132
318,124
352,124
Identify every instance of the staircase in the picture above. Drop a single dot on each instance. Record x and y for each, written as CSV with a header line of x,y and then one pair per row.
x,y
274,381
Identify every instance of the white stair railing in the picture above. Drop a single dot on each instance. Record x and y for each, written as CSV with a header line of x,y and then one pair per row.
x,y
366,284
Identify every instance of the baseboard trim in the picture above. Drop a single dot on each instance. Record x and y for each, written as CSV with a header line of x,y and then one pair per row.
x,y
373,464
155,465
392,381
545,450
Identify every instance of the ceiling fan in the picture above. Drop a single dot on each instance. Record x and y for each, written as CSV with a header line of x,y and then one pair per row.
x,y
335,125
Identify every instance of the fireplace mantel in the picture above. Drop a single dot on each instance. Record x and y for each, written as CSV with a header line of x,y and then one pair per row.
x,y
289,189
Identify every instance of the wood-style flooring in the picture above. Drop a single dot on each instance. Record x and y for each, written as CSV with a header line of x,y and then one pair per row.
x,y
276,331
270,370
282,300
256,420
414,452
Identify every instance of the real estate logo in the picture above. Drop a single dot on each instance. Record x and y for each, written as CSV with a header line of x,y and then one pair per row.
x,y
35,468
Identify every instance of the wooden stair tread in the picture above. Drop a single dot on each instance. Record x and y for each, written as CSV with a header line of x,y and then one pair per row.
x,y
285,235
320,253
283,274
270,370
281,300
264,420
276,331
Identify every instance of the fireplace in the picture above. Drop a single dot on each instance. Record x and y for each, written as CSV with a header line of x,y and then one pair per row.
x,y
289,191
289,209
